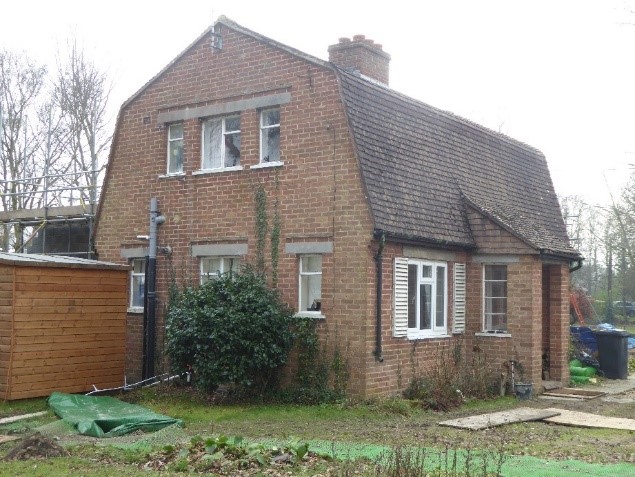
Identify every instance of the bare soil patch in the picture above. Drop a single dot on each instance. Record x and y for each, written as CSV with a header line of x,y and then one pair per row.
x,y
36,446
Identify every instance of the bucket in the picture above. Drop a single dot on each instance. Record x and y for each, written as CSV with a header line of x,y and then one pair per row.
x,y
523,391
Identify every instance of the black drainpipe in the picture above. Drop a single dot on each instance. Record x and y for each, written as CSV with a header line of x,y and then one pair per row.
x,y
381,236
150,299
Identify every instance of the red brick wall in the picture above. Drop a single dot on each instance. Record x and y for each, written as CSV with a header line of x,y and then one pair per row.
x,y
404,359
319,187
559,322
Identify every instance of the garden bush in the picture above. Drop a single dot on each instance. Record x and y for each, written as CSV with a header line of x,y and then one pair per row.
x,y
231,330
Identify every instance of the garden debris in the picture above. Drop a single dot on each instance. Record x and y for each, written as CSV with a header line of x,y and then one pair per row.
x,y
485,421
584,419
7,420
36,446
572,394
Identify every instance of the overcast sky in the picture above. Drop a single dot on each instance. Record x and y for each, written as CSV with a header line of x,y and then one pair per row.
x,y
558,75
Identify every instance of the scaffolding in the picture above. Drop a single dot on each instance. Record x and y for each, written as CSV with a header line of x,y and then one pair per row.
x,y
62,225
54,212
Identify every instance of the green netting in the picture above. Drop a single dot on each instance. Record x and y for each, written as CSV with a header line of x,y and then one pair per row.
x,y
513,466
104,416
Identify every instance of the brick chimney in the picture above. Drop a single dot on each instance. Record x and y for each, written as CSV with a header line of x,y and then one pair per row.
x,y
362,55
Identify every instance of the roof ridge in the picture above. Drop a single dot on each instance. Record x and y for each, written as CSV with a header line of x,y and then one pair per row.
x,y
442,112
223,20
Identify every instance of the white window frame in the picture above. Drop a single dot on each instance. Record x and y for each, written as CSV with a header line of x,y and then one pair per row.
x,y
487,321
226,265
302,310
139,275
264,128
403,300
171,139
224,132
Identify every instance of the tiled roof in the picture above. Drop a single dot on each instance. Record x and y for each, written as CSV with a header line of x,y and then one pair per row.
x,y
421,166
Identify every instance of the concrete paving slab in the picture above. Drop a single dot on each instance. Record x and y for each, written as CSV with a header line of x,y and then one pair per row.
x,y
485,421
585,419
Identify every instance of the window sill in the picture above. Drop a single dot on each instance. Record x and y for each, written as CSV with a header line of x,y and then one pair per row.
x,y
216,171
310,314
172,176
264,165
135,310
497,334
418,336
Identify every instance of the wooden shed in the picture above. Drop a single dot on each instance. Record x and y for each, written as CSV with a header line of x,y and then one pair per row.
x,y
62,324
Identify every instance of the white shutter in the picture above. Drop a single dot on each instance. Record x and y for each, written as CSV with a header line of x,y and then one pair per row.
x,y
400,325
458,325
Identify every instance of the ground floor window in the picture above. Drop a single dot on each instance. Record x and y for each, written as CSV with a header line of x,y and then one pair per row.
x,y
137,283
214,267
310,283
420,300
495,298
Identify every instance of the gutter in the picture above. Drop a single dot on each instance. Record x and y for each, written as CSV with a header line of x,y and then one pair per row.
x,y
577,266
380,235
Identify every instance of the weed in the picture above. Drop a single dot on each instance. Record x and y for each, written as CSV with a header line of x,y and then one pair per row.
x,y
453,380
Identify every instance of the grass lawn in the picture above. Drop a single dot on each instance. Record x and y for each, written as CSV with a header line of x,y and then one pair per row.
x,y
389,424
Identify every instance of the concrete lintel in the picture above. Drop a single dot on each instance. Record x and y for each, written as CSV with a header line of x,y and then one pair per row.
x,y
224,108
495,258
219,250
137,252
309,247
428,254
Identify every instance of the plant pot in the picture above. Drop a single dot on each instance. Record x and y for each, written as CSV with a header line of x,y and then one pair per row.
x,y
523,390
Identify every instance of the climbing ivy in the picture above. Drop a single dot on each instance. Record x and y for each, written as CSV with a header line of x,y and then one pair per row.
x,y
275,235
262,227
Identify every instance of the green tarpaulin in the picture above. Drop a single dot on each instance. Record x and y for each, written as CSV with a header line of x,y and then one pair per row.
x,y
103,416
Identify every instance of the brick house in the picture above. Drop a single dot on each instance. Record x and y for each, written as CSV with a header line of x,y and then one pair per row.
x,y
404,229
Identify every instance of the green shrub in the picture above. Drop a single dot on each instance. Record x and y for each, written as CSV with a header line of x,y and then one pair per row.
x,y
232,330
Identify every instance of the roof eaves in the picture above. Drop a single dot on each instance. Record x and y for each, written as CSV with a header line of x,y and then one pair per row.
x,y
415,240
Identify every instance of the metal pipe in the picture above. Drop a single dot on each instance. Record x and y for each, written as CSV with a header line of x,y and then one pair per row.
x,y
31,178
150,298
381,236
127,387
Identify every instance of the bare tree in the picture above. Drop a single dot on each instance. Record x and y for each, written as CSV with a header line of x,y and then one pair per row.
x,y
82,92
22,136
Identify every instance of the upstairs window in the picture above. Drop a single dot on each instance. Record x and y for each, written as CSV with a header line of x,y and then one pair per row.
x,y
270,136
175,148
214,267
310,286
221,143
137,283
495,298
